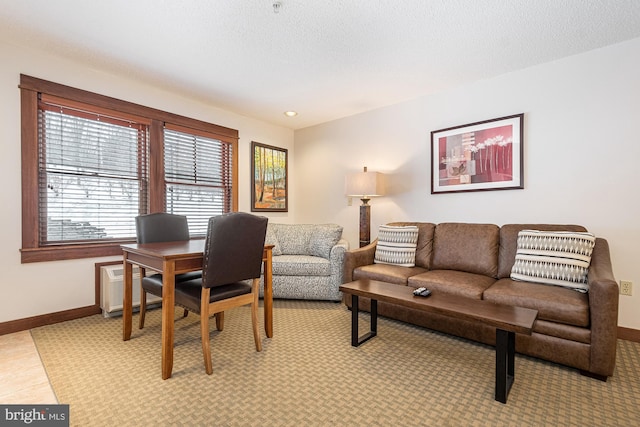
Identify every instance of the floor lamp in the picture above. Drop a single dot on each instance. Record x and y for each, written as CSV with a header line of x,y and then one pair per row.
x,y
364,185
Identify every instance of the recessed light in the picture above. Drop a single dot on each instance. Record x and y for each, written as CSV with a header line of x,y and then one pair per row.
x,y
290,113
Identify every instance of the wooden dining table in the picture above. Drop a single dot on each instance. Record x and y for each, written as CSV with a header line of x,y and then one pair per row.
x,y
171,258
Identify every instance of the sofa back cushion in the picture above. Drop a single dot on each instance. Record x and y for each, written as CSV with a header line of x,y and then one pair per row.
x,y
304,239
424,245
323,238
271,239
466,247
294,239
509,242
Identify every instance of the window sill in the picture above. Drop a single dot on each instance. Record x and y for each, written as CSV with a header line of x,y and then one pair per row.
x,y
57,253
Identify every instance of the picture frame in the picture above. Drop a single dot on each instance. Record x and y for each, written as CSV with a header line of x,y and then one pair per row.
x,y
269,178
480,156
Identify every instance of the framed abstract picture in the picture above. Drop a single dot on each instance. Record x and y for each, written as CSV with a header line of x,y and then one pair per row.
x,y
479,156
269,178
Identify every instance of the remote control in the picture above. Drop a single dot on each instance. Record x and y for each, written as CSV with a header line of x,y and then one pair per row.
x,y
422,292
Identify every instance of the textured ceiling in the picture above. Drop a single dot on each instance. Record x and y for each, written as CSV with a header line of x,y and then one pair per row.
x,y
325,59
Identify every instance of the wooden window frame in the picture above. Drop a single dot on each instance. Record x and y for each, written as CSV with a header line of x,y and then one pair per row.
x,y
31,89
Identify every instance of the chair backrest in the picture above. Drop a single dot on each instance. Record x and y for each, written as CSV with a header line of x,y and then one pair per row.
x,y
233,248
161,227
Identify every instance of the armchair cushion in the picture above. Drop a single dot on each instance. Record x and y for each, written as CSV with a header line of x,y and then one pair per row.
x,y
323,238
294,239
301,265
272,239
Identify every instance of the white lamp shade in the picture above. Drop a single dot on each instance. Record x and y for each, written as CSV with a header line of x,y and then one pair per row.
x,y
364,184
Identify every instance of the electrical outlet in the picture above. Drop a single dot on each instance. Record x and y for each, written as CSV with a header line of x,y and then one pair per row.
x,y
626,287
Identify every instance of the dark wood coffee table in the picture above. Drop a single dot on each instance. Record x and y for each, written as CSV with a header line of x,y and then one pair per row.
x,y
506,319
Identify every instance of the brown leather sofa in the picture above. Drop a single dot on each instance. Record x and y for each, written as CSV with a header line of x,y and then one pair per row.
x,y
475,260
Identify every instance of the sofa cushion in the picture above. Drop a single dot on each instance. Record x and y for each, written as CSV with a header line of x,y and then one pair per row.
x,y
558,258
472,248
424,246
562,330
509,242
553,303
396,245
294,239
301,265
387,273
452,282
271,239
323,238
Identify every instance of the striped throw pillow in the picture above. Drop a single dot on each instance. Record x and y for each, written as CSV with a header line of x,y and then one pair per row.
x,y
558,258
397,245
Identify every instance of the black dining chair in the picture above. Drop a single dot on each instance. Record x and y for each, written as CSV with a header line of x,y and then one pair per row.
x,y
232,255
160,227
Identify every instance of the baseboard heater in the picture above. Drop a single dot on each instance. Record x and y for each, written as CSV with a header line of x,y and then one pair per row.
x,y
112,287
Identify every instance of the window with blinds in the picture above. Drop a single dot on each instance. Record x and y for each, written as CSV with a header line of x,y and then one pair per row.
x,y
92,175
92,163
198,176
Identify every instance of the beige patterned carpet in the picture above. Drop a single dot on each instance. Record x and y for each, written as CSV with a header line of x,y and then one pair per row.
x,y
309,375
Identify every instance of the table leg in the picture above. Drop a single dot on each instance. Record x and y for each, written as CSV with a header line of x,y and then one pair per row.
x,y
268,292
354,320
168,308
355,309
505,363
127,297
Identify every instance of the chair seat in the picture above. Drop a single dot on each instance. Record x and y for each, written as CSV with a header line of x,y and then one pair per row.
x,y
153,283
188,292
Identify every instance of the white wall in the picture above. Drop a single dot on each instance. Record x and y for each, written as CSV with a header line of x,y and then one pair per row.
x,y
582,156
33,289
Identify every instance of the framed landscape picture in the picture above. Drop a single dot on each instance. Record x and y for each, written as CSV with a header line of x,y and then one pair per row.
x,y
269,178
478,156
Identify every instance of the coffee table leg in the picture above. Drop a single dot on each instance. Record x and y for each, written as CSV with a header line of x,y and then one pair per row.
x,y
355,340
505,363
354,320
374,317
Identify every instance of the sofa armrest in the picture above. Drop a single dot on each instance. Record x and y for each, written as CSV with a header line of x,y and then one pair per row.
x,y
603,308
357,258
336,258
341,247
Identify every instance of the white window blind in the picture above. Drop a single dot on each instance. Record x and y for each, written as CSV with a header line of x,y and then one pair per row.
x,y
198,177
92,175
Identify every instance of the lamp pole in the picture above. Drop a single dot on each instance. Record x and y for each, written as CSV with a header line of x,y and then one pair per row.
x,y
365,222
